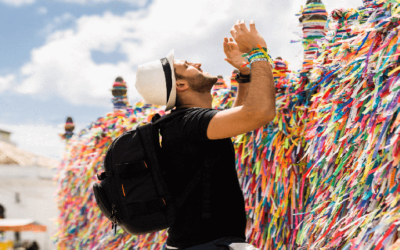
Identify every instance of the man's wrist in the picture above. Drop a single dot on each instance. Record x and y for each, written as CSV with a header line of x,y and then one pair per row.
x,y
245,71
242,78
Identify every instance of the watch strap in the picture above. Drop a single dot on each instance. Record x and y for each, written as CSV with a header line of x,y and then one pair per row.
x,y
242,78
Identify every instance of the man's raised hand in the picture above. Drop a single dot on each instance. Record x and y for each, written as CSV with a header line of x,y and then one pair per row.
x,y
234,56
247,39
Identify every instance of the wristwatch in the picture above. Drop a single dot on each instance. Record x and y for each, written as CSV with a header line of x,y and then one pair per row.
x,y
242,78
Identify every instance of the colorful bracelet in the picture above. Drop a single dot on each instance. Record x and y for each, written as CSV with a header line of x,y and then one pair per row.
x,y
256,54
259,60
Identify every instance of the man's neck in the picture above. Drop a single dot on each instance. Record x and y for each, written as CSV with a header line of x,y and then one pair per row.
x,y
198,101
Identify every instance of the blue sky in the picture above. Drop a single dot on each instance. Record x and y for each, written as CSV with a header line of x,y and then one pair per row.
x,y
25,26
59,57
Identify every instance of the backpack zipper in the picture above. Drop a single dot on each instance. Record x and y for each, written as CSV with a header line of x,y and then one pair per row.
x,y
114,221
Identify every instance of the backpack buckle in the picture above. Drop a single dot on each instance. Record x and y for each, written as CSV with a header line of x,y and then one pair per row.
x,y
155,118
101,176
104,175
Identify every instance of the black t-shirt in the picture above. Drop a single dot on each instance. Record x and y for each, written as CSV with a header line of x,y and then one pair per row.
x,y
184,150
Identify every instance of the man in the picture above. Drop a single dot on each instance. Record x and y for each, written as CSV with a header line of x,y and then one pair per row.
x,y
188,139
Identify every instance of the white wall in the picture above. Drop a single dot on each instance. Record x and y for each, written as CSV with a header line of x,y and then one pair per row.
x,y
36,192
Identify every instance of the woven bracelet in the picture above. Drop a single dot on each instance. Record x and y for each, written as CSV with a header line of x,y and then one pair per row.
x,y
259,60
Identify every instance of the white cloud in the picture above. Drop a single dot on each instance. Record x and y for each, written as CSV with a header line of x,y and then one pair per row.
x,y
17,3
5,82
42,10
335,4
64,67
56,23
138,3
37,138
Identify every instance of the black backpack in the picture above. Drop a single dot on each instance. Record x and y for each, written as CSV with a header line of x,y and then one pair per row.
x,y
132,192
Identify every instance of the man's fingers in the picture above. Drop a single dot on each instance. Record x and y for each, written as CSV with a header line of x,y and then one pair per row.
x,y
232,45
233,33
243,27
225,47
253,27
237,26
226,41
228,60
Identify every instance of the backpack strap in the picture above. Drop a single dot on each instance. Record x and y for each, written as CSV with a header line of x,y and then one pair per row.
x,y
157,120
150,141
149,136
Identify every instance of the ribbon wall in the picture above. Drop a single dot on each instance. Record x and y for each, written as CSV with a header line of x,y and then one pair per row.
x,y
323,175
352,133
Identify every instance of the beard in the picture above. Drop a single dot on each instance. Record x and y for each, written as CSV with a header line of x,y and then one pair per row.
x,y
202,83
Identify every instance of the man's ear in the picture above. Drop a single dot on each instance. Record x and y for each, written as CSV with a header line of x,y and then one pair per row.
x,y
181,85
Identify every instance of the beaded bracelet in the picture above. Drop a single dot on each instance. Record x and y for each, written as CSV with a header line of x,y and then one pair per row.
x,y
256,54
258,60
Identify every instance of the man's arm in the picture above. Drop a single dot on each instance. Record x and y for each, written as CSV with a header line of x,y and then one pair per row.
x,y
261,94
241,94
235,58
259,106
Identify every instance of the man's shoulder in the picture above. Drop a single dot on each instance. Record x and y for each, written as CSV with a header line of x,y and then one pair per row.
x,y
192,122
192,113
194,109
